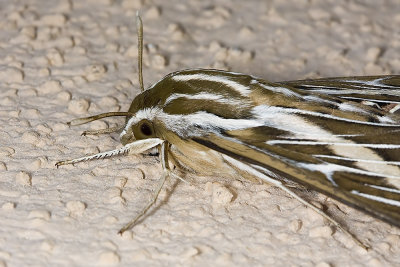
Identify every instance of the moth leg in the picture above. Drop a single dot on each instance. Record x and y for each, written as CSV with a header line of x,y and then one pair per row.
x,y
178,177
322,213
135,147
102,131
151,202
176,163
166,173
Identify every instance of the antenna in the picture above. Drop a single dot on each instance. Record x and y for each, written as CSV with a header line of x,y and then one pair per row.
x,y
139,28
98,117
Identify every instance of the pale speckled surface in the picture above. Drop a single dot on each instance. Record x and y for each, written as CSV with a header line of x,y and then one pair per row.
x,y
63,59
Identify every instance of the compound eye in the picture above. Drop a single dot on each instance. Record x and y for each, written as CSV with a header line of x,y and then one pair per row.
x,y
144,129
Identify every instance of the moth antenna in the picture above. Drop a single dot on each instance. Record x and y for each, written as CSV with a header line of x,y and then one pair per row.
x,y
98,117
102,131
139,28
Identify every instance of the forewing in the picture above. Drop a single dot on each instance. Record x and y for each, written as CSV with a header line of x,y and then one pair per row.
x,y
370,189
324,135
338,136
383,92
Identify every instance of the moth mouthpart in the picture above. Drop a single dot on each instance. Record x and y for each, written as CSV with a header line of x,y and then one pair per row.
x,y
127,138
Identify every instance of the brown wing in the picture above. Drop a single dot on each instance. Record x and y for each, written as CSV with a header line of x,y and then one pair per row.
x,y
382,92
362,188
342,140
335,135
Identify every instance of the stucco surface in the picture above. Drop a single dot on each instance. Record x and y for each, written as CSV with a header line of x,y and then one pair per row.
x,y
65,59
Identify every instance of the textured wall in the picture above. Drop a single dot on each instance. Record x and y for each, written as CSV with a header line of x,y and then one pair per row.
x,y
64,59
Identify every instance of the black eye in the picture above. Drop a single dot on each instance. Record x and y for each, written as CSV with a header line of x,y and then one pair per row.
x,y
145,128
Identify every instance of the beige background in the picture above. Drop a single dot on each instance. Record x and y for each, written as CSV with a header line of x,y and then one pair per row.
x,y
65,59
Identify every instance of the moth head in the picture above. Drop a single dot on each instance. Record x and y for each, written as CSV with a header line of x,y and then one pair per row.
x,y
140,125
143,129
189,103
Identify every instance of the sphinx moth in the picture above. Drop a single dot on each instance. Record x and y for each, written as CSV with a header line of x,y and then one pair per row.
x,y
338,136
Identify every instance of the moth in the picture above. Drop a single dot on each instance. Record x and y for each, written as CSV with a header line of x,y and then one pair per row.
x,y
337,136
